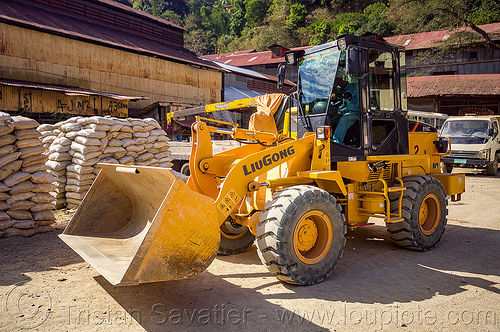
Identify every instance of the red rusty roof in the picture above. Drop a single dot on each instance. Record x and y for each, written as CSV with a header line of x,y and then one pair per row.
x,y
441,85
251,73
162,41
431,39
248,58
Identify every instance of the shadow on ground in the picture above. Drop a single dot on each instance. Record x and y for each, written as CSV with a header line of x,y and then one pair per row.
x,y
373,270
41,252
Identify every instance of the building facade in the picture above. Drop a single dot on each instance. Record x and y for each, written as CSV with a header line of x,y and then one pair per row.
x,y
96,57
426,55
452,80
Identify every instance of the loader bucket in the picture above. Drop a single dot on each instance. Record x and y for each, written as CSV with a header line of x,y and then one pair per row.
x,y
142,224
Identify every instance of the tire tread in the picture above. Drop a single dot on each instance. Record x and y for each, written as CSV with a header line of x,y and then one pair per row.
x,y
406,233
269,230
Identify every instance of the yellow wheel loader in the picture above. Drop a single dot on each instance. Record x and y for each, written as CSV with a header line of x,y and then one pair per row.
x,y
354,156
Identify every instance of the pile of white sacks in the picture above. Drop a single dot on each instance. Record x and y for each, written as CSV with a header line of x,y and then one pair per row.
x,y
25,203
75,146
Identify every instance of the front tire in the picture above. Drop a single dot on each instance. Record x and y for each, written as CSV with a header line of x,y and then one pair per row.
x,y
492,168
423,211
446,167
234,239
300,235
185,169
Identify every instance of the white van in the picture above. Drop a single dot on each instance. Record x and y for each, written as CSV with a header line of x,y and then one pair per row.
x,y
432,118
475,142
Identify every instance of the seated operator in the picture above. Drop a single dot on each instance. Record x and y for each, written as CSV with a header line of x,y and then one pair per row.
x,y
348,95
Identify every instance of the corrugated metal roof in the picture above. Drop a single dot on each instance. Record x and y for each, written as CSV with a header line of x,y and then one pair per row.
x,y
71,91
248,58
431,39
441,85
232,93
130,10
242,71
33,17
250,73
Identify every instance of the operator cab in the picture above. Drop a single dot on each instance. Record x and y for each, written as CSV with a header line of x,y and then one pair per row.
x,y
357,86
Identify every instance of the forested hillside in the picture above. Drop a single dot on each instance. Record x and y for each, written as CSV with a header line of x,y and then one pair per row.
x,y
232,25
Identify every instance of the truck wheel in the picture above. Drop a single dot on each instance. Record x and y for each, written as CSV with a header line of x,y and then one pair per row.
x,y
185,169
300,235
423,211
234,239
446,167
492,168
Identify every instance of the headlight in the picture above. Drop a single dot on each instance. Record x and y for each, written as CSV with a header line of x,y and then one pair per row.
x,y
484,154
341,44
290,58
323,132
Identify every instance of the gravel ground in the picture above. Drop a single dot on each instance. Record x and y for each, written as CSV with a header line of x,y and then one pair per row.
x,y
45,286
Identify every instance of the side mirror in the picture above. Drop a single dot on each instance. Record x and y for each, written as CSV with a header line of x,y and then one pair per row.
x,y
353,61
281,75
442,145
491,132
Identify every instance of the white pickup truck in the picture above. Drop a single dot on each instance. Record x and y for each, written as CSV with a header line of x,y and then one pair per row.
x,y
475,142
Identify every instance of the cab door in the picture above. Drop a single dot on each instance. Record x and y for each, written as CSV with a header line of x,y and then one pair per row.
x,y
387,124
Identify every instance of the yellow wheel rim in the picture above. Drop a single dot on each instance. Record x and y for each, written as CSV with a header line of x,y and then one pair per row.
x,y
429,214
229,234
312,237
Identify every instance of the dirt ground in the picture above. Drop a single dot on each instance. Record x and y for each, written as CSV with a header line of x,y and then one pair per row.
x,y
45,286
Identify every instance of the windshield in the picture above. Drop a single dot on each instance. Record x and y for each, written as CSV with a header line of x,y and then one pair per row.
x,y
316,75
466,131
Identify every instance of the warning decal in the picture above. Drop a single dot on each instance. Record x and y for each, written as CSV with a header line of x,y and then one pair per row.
x,y
229,202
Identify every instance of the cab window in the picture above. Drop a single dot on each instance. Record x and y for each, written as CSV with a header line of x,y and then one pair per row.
x,y
494,125
381,80
381,129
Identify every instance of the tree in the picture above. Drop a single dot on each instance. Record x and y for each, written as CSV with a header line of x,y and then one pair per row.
x,y
486,12
428,15
297,15
321,32
173,17
324,31
124,2
349,23
255,11
174,9
237,19
244,24
215,18
377,20
200,41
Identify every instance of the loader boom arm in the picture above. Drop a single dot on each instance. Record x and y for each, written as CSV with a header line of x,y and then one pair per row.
x,y
209,108
239,167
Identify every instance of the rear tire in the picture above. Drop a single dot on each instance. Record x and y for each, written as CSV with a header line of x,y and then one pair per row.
x,y
492,168
234,239
423,211
300,235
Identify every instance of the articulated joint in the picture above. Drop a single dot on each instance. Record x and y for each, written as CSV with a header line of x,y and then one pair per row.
x,y
254,185
204,166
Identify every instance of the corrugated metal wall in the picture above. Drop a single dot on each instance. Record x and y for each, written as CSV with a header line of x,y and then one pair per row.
x,y
466,61
27,100
30,55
